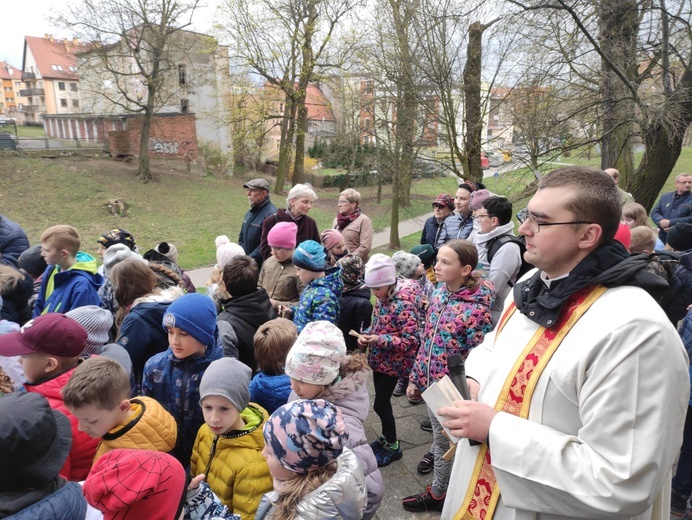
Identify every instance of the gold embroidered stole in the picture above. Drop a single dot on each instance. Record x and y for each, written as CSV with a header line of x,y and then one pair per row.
x,y
483,492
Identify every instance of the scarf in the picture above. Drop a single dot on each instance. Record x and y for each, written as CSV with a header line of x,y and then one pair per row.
x,y
344,220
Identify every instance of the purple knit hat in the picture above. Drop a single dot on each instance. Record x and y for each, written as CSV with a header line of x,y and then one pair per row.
x,y
478,198
283,235
305,435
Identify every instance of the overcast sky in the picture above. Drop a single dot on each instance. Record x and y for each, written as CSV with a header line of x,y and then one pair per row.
x,y
30,18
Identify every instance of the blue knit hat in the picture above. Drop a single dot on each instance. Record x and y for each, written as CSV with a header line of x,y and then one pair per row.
x,y
195,314
311,256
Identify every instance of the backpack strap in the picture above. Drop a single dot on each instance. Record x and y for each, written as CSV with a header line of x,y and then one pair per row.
x,y
496,243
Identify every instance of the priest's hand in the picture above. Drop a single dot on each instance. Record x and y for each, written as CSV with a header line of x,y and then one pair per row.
x,y
468,419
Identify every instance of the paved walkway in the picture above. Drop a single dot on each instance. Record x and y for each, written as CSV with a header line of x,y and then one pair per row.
x,y
200,276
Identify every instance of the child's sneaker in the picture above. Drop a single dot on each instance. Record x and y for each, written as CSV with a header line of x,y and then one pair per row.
x,y
378,445
400,388
678,503
426,464
425,501
388,454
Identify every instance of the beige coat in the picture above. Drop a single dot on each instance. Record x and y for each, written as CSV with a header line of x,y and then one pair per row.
x,y
281,282
358,236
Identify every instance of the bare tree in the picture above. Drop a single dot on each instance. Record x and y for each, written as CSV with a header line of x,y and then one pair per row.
x,y
136,46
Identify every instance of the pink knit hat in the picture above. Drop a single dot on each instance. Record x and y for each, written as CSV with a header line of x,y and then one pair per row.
x,y
225,250
283,235
331,238
380,271
478,198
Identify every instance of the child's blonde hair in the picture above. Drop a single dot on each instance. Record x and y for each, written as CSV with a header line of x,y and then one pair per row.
x,y
63,237
643,240
272,342
297,486
98,381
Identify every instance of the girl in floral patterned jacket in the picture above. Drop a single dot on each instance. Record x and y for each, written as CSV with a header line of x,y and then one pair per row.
x,y
393,341
458,317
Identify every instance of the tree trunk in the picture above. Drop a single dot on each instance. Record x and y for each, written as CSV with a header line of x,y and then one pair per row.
x,y
144,170
473,113
618,28
301,131
285,144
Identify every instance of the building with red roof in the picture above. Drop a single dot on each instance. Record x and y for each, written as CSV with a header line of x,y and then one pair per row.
x,y
11,84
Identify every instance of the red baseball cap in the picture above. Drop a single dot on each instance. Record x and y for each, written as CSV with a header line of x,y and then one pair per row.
x,y
54,334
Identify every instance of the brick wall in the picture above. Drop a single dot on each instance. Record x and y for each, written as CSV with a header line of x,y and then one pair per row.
x,y
169,136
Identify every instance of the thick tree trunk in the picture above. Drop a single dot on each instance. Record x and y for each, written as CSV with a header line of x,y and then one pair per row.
x,y
618,28
144,170
285,145
301,131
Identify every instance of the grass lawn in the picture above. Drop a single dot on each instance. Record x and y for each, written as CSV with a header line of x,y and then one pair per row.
x,y
30,131
188,210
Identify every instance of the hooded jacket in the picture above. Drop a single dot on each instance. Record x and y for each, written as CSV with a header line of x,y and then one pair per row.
x,y
65,503
83,448
350,394
397,321
307,229
319,301
13,242
141,333
342,496
246,314
355,312
233,463
455,323
280,280
150,428
62,291
250,235
174,383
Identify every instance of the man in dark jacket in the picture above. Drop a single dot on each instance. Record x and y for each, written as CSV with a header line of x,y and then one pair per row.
x,y
13,242
260,208
443,206
674,207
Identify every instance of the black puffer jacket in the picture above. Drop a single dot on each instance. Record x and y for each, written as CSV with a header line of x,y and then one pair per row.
x,y
13,242
356,313
246,314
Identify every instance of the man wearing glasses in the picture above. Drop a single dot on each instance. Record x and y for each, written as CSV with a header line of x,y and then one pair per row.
x,y
580,392
673,207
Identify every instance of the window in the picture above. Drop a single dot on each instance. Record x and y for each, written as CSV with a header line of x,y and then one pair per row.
x,y
17,84
61,85
182,74
9,100
73,87
75,103
63,102
184,106
281,108
73,69
56,67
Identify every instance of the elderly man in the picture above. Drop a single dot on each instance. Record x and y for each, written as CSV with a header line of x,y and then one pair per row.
x,y
580,393
673,207
625,197
260,208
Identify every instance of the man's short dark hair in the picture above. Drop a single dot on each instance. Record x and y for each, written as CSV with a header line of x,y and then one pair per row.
x,y
240,276
595,196
499,207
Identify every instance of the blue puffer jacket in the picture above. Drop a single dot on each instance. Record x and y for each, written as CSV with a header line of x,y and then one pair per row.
x,y
174,383
319,301
76,287
674,207
250,235
270,392
13,242
67,503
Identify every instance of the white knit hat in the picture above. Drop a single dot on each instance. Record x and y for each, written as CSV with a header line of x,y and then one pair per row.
x,y
225,250
96,321
317,354
380,271
116,254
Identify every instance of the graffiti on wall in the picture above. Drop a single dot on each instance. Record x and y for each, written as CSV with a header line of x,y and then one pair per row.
x,y
164,147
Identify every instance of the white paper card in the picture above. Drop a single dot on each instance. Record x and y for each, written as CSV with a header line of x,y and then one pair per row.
x,y
439,394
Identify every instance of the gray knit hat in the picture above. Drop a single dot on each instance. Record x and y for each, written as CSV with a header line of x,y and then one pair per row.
x,y
228,378
406,264
116,254
96,321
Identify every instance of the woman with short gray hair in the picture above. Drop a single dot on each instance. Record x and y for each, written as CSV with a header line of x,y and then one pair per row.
x,y
353,224
298,204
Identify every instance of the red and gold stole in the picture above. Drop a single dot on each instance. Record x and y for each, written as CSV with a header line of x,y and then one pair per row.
x,y
483,492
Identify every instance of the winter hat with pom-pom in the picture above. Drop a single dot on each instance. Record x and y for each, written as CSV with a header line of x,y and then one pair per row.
x,y
168,250
225,250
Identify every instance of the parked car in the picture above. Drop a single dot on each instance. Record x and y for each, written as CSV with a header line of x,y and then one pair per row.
x,y
8,141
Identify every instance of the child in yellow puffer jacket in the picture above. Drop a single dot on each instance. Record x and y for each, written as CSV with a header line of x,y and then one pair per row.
x,y
228,447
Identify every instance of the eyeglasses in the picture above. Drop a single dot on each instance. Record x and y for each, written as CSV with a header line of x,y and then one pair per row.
x,y
476,217
342,202
439,206
535,224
